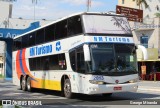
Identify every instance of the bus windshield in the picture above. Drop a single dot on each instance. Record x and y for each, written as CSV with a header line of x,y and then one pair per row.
x,y
105,24
113,58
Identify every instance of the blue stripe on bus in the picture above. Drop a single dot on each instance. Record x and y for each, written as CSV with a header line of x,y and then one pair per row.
x,y
20,60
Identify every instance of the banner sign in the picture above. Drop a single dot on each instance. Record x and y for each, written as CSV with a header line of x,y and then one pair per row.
x,y
131,13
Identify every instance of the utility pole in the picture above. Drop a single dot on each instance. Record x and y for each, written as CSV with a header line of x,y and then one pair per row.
x,y
88,5
34,2
6,21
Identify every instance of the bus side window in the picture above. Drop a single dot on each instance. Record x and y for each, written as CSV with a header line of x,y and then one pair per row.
x,y
72,60
74,26
62,62
80,62
31,39
61,29
49,33
46,64
40,36
25,41
18,43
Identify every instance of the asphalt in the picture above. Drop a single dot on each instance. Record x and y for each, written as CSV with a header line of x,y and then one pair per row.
x,y
142,85
149,86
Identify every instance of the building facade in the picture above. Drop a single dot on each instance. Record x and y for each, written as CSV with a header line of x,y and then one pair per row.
x,y
9,28
146,33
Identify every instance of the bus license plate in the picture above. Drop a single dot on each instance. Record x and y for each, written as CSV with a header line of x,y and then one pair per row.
x,y
118,88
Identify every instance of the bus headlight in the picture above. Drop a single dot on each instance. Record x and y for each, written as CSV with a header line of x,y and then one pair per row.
x,y
134,80
96,82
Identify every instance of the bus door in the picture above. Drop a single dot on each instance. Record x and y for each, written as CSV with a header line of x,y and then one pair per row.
x,y
45,74
77,64
81,70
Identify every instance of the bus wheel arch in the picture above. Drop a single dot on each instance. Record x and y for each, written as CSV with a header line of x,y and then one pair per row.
x,y
28,81
62,83
23,83
66,87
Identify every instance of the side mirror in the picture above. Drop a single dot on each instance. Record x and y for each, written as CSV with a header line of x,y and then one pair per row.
x,y
87,56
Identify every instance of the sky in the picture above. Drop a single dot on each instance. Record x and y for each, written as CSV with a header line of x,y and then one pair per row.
x,y
54,9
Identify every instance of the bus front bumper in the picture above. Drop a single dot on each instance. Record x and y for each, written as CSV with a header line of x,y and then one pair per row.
x,y
111,88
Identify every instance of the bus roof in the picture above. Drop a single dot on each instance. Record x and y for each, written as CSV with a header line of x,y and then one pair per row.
x,y
63,18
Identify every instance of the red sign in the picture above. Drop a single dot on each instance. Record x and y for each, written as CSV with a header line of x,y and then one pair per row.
x,y
131,13
117,88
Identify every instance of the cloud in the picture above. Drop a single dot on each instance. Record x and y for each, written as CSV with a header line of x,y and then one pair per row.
x,y
51,9
83,2
75,2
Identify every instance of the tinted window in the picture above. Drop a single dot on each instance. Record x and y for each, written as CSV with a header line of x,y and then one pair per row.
x,y
73,60
50,33
32,64
25,41
18,43
61,29
74,25
32,39
77,60
40,36
62,61
38,63
52,62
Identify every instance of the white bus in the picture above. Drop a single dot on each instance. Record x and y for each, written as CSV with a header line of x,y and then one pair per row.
x,y
87,53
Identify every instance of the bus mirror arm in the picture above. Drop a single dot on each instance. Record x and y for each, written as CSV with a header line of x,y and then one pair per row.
x,y
87,56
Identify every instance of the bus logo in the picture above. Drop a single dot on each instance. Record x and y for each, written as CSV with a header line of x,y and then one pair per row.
x,y
58,46
117,81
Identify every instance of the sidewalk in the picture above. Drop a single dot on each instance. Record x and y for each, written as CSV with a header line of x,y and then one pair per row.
x,y
2,80
149,86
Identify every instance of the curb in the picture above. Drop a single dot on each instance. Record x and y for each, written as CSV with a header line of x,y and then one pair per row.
x,y
149,88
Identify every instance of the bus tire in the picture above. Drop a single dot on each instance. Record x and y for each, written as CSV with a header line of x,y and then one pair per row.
x,y
67,89
107,94
21,84
29,87
24,85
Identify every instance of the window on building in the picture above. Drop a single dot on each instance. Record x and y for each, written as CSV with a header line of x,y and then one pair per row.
x,y
123,1
144,41
157,8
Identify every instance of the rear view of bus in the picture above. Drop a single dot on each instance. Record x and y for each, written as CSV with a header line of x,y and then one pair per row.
x,y
87,53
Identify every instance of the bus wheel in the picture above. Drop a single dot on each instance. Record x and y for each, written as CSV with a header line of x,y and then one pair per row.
x,y
107,94
67,89
24,85
29,87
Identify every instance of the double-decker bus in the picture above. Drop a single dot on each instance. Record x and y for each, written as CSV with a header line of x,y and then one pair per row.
x,y
87,53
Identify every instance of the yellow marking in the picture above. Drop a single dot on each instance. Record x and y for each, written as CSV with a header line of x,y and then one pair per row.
x,y
46,84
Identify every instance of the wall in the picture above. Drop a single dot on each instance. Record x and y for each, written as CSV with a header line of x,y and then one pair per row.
x,y
6,35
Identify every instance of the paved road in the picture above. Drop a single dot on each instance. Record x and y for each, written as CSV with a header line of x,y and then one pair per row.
x,y
147,90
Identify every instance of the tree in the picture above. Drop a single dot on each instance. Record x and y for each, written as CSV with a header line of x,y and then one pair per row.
x,y
157,14
140,2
